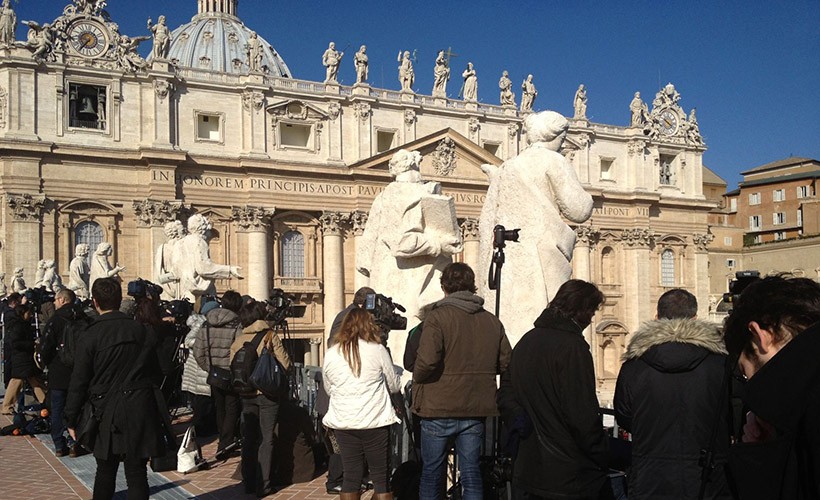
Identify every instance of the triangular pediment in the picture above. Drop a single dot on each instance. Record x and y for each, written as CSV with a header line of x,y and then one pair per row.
x,y
295,109
446,156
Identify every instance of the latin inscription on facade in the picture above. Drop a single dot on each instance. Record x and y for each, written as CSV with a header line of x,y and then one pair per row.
x,y
621,211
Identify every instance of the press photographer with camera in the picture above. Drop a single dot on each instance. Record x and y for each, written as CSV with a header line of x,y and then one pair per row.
x,y
21,339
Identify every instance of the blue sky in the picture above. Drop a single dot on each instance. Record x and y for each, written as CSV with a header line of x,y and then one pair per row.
x,y
751,68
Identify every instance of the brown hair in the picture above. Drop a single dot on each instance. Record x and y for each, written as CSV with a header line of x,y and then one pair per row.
x,y
358,324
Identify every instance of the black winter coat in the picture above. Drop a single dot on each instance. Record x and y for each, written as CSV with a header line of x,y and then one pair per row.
x,y
21,340
59,375
785,393
669,396
551,378
133,417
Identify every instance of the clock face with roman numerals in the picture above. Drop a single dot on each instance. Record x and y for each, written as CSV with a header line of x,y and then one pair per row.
x,y
88,38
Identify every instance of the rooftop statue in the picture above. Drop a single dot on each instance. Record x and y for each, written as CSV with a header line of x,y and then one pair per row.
x,y
194,268
533,191
505,85
580,103
8,23
78,272
441,75
639,111
407,75
40,40
253,50
361,64
162,39
411,235
331,60
528,94
470,92
100,267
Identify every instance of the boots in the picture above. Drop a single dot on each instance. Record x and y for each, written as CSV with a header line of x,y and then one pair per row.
x,y
350,496
383,496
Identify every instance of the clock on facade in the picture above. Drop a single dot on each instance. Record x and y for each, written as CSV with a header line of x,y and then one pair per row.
x,y
88,38
669,122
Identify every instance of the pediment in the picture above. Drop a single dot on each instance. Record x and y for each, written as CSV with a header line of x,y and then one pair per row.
x,y
446,156
295,109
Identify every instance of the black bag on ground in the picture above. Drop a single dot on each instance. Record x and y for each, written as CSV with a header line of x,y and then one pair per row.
x,y
217,377
243,365
269,376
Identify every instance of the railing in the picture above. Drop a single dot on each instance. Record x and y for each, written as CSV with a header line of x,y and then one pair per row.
x,y
298,285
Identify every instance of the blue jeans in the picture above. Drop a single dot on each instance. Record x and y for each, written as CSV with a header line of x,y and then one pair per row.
x,y
435,435
58,400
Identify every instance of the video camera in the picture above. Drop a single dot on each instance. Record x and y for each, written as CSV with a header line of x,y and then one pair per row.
x,y
383,310
140,288
178,309
280,307
39,296
737,285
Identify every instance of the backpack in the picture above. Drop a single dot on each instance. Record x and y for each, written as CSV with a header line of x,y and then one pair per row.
x,y
243,364
71,336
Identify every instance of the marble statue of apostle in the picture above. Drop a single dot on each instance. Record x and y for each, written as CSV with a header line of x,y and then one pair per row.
x,y
3,290
195,269
38,274
8,23
166,260
51,278
639,111
100,267
507,97
580,102
532,192
78,272
331,60
441,74
410,236
18,284
407,75
528,94
470,83
361,64
162,38
253,49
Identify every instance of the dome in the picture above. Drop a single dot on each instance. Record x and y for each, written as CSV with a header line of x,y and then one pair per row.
x,y
215,40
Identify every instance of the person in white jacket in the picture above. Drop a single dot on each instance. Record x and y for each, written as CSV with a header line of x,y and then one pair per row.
x,y
359,376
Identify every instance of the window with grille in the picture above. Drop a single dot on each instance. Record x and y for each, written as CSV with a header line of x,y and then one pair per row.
x,y
668,268
293,255
90,233
87,106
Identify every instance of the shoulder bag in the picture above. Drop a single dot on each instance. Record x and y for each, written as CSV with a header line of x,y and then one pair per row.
x,y
269,375
217,377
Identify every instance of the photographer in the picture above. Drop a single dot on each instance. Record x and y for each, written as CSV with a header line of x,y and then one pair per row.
x,y
67,315
20,335
213,342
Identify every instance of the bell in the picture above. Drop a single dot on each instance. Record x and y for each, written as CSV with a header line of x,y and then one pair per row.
x,y
88,106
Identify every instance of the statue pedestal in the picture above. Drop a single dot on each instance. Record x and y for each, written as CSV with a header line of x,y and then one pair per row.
x,y
408,96
440,101
510,110
332,88
161,65
361,89
471,105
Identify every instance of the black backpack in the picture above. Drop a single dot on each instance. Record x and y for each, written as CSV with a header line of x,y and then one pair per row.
x,y
243,364
74,327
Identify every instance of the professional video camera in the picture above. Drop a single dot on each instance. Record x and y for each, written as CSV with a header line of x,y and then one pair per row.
x,y
178,309
39,296
280,307
737,285
383,310
140,288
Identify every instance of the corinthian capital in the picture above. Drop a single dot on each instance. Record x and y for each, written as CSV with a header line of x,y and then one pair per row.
x,y
358,220
252,218
26,207
152,213
332,223
702,241
587,235
469,229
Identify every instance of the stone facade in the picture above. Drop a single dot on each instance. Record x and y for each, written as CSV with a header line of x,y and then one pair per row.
x,y
286,170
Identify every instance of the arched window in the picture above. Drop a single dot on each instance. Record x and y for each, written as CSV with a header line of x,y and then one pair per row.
x,y
667,268
293,255
91,234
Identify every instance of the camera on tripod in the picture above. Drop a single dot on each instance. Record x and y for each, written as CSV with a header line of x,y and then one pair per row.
x,y
39,296
280,307
384,312
140,288
502,235
179,309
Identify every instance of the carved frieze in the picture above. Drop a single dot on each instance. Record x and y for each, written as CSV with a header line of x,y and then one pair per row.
x,y
163,88
358,221
250,218
512,129
473,126
587,235
362,110
702,241
253,100
444,157
635,148
333,110
4,104
26,207
409,117
640,237
152,213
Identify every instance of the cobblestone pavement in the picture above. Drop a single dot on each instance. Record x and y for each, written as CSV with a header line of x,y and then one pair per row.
x,y
30,471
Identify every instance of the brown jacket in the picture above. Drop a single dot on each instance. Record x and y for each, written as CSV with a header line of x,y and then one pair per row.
x,y
461,350
271,341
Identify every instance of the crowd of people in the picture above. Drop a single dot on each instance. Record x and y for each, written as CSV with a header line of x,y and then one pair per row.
x,y
712,412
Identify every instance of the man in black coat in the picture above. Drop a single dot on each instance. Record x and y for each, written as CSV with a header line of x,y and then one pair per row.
x,y
59,375
23,368
114,363
548,397
774,329
669,397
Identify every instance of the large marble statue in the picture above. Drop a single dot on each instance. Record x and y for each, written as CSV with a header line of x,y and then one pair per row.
x,y
410,236
166,259
331,60
528,94
639,111
505,85
532,192
100,267
407,75
8,23
78,272
441,75
195,269
38,274
51,278
3,289
361,64
162,38
253,50
470,92
18,284
580,103
40,40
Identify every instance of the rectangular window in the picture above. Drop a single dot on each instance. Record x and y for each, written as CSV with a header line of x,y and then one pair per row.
x,y
87,106
733,205
208,127
730,263
800,217
294,135
779,195
606,168
754,198
492,148
778,218
754,223
384,140
779,235
802,191
727,241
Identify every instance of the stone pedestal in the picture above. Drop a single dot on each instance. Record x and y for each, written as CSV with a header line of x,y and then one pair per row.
x,y
332,267
361,89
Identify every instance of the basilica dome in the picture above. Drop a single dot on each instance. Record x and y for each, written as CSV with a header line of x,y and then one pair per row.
x,y
216,39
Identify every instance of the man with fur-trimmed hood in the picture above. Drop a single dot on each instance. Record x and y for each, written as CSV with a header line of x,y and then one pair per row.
x,y
668,396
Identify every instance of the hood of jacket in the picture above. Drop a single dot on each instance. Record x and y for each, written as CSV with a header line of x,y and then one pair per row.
x,y
675,345
257,326
464,300
220,317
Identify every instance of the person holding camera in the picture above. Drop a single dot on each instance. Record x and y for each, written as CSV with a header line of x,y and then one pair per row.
x,y
259,411
20,335
213,345
360,378
113,370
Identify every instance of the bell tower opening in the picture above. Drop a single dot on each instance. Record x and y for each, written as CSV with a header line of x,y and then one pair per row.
x,y
224,7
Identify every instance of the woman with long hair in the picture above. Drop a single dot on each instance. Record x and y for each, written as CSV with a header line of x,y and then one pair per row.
x,y
359,378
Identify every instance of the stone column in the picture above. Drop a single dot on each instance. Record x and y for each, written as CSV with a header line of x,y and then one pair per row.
x,y
586,236
358,222
163,130
253,131
701,274
255,221
362,113
469,233
26,211
332,266
153,215
637,243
